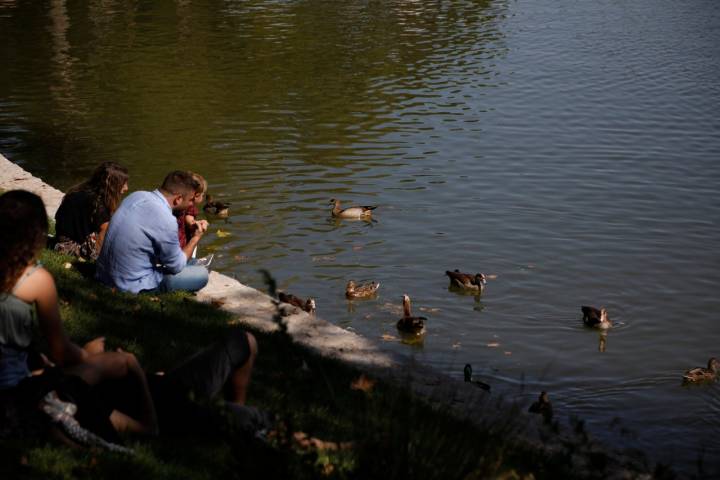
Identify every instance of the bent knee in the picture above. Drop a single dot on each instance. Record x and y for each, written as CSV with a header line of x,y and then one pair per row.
x,y
252,343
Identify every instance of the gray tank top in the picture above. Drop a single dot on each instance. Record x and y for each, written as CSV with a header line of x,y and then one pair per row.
x,y
17,327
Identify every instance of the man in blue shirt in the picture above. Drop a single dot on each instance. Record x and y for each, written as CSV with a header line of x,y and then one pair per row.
x,y
141,250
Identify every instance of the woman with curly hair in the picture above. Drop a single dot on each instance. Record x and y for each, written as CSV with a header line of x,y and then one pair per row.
x,y
84,214
29,303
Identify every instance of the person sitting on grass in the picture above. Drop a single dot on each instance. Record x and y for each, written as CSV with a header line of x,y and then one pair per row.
x,y
84,214
29,302
187,219
141,250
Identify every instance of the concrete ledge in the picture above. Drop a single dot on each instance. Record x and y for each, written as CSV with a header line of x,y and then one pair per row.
x,y
13,177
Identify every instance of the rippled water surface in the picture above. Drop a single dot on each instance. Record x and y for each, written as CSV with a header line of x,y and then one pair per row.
x,y
571,149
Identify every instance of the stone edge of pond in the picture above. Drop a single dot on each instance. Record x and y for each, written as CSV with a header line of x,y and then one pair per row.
x,y
257,310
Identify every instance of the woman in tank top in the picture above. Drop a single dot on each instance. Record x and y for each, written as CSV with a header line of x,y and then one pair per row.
x,y
29,303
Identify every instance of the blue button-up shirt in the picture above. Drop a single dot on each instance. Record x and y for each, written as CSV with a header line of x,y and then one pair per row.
x,y
141,244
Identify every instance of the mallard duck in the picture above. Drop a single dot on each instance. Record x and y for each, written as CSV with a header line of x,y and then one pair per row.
x,y
216,207
352,290
701,374
350,212
408,323
307,305
592,317
467,371
542,406
466,280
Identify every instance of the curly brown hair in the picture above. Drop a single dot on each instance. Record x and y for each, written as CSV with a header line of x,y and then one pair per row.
x,y
23,233
104,186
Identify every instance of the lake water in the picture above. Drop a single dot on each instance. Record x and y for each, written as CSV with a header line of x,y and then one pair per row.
x,y
569,148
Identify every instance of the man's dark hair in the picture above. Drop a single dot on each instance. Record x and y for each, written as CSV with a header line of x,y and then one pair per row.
x,y
180,182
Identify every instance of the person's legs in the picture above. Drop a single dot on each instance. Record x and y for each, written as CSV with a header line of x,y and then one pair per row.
x,y
191,278
227,364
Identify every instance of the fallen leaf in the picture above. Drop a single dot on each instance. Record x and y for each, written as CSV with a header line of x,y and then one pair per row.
x,y
222,233
67,265
493,344
362,383
241,258
388,338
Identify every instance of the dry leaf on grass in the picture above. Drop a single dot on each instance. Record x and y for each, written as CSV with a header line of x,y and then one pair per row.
x,y
362,383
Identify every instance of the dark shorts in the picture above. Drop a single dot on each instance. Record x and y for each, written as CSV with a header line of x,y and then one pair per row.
x,y
183,395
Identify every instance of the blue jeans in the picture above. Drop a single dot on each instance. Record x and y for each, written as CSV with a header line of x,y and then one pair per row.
x,y
191,278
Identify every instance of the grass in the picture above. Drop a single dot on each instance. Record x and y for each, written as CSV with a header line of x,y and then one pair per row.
x,y
389,432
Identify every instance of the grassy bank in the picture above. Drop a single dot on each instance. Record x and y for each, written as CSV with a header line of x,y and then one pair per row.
x,y
370,430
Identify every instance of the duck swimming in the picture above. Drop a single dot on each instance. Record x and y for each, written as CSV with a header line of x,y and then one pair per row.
x,y
351,212
306,305
353,290
467,372
467,281
221,209
592,317
542,406
408,323
701,374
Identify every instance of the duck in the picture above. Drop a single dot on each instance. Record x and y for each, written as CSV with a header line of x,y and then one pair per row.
x,y
408,323
701,374
364,212
467,372
353,290
542,406
216,207
306,305
467,281
592,317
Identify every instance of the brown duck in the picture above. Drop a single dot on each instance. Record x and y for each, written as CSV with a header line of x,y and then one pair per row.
x,y
216,207
353,290
351,212
542,406
408,323
592,317
307,305
701,374
467,281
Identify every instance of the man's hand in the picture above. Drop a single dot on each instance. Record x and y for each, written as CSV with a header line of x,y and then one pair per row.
x,y
201,227
93,347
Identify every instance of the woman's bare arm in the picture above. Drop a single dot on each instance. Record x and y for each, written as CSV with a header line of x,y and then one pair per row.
x,y
39,288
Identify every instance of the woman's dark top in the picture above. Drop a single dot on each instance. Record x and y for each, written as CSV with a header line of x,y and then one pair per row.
x,y
75,219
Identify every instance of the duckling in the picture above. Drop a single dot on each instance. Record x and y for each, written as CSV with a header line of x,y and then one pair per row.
x,y
701,374
592,317
542,406
351,212
467,371
408,323
221,209
466,280
307,305
352,290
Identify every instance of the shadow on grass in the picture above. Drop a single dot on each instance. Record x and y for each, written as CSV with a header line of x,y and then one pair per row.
x,y
384,429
